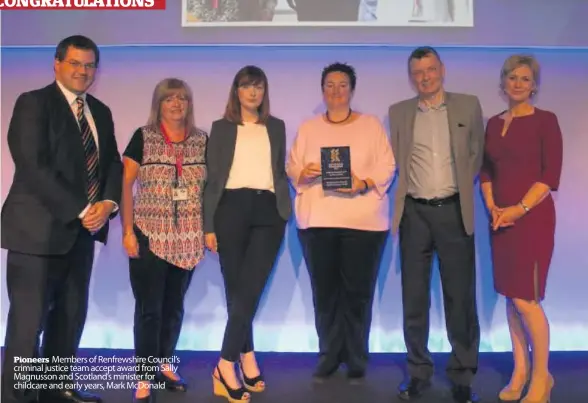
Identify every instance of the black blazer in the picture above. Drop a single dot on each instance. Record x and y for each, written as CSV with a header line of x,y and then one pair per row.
x,y
219,159
48,191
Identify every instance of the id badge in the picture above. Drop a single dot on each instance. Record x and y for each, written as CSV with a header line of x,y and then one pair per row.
x,y
180,194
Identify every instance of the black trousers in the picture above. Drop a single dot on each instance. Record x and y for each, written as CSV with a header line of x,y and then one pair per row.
x,y
159,289
425,229
48,295
343,267
249,233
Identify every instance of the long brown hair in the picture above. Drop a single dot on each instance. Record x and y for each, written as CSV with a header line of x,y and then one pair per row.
x,y
248,75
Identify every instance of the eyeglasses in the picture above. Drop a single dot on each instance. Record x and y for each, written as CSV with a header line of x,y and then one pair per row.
x,y
76,65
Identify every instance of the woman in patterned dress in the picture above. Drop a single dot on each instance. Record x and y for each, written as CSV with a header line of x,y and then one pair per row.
x,y
162,225
522,166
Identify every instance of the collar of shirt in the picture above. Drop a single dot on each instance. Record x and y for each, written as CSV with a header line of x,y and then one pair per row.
x,y
70,96
426,107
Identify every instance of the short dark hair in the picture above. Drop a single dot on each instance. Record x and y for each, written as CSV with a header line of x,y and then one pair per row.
x,y
78,42
423,51
248,75
340,68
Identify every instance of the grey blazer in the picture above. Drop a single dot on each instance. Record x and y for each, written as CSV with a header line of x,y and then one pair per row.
x,y
219,159
466,126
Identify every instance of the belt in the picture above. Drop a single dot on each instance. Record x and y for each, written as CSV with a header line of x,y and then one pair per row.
x,y
247,190
437,201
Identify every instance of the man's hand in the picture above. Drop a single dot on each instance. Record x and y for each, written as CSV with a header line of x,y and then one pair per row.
x,y
97,215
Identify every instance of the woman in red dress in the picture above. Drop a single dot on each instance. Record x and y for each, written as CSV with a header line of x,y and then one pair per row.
x,y
522,165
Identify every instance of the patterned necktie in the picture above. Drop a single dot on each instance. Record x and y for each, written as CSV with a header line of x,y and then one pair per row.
x,y
91,152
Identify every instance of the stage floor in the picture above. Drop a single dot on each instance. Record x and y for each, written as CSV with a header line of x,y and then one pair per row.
x,y
289,379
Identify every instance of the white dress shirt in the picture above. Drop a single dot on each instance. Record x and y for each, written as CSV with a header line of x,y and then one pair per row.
x,y
73,104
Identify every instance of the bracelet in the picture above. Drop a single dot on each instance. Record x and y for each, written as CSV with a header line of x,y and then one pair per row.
x,y
367,187
525,207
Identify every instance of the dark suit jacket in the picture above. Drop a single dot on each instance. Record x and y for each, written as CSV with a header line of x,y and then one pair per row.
x,y
466,128
219,159
49,188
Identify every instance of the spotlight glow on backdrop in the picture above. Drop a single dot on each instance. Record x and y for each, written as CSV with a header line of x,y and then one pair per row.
x,y
201,56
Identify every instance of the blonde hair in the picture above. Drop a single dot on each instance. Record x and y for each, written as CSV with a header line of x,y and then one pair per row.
x,y
164,89
516,61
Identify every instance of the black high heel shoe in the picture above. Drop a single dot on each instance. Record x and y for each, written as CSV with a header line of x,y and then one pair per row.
x,y
174,385
256,384
222,389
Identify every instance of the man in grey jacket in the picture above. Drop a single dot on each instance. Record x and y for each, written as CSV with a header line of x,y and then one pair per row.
x,y
438,140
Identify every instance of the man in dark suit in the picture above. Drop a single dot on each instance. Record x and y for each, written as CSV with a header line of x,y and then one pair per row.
x,y
66,186
438,141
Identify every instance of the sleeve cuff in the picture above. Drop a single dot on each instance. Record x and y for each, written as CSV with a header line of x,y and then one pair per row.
x,y
550,182
84,212
115,209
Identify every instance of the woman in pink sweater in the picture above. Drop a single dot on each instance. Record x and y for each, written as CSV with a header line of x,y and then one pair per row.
x,y
342,231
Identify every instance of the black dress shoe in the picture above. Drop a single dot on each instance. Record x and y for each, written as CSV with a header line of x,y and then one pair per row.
x,y
464,394
413,389
68,396
173,385
356,376
324,370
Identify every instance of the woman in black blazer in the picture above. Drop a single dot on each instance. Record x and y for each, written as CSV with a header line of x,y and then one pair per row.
x,y
246,207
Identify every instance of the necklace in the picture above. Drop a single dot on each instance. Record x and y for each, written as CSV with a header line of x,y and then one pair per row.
x,y
340,121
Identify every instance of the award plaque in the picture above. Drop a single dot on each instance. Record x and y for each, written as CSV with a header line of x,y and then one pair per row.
x,y
336,168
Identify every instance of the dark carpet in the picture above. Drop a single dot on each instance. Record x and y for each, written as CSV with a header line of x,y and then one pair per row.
x,y
288,378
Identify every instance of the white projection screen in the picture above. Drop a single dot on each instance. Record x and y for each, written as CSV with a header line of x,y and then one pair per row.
x,y
317,13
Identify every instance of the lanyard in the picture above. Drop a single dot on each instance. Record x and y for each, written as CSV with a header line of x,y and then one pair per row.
x,y
179,157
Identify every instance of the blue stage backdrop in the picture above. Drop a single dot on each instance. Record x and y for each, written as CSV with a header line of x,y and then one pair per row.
x,y
285,320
